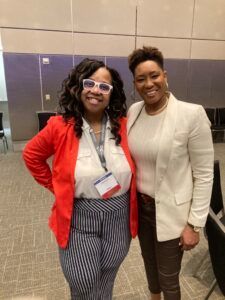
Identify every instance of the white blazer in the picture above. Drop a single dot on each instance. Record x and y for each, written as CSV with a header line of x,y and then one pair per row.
x,y
184,167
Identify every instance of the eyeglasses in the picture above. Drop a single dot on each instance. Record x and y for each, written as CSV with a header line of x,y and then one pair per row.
x,y
104,88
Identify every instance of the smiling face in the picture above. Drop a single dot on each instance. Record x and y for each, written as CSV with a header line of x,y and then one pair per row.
x,y
151,82
93,100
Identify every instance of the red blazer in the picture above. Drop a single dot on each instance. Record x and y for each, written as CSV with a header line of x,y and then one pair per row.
x,y
58,139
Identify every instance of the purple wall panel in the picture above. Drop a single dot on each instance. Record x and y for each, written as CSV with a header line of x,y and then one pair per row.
x,y
23,92
79,58
121,65
177,70
53,75
218,83
198,81
199,88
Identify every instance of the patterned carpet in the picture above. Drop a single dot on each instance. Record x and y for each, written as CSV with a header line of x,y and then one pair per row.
x,y
29,267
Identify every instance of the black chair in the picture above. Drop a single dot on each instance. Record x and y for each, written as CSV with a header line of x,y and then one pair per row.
x,y
215,230
211,114
43,117
221,120
218,129
221,116
2,134
216,203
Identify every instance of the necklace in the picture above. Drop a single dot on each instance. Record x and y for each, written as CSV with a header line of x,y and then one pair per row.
x,y
160,109
96,132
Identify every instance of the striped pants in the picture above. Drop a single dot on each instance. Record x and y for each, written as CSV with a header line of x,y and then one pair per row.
x,y
99,241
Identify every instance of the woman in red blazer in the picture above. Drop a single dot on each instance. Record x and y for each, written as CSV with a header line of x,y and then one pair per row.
x,y
92,177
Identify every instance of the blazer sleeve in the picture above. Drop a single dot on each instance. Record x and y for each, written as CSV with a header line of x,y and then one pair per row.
x,y
36,153
200,147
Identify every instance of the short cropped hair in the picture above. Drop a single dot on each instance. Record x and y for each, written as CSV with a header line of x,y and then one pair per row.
x,y
143,54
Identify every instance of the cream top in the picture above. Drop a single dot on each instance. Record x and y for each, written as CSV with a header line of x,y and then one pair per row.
x,y
88,165
143,140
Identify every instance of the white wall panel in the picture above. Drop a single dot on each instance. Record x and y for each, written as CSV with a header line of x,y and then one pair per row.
x,y
44,14
208,50
35,41
209,21
165,18
105,45
156,21
171,48
104,16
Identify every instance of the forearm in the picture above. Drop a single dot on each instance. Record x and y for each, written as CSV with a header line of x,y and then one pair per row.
x,y
35,155
202,158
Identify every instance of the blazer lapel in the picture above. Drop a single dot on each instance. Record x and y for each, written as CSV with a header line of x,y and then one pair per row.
x,y
166,140
134,114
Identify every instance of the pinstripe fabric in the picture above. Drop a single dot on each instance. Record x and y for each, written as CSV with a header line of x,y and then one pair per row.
x,y
99,241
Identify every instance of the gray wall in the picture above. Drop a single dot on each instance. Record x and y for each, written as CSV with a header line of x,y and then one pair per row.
x,y
190,33
29,80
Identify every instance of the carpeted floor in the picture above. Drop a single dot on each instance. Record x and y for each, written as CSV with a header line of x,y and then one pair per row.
x,y
29,264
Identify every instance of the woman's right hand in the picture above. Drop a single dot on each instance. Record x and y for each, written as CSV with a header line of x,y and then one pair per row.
x,y
189,238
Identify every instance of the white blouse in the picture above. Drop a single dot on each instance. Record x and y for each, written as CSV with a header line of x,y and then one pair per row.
x,y
143,140
88,166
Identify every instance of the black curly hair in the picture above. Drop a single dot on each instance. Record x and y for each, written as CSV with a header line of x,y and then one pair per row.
x,y
142,54
70,105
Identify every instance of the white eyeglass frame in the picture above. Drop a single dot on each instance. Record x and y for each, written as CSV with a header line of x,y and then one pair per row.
x,y
98,85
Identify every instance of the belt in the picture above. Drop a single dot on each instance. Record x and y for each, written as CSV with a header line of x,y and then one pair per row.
x,y
145,198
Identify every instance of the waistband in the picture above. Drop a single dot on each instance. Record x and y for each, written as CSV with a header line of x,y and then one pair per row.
x,y
97,204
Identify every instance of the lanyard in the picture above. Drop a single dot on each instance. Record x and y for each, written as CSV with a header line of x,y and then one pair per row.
x,y
100,146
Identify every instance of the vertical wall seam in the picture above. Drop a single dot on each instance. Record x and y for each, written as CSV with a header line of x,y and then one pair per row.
x,y
192,28
190,51
41,84
133,93
211,79
72,31
135,29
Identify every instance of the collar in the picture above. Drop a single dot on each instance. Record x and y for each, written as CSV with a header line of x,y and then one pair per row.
x,y
86,125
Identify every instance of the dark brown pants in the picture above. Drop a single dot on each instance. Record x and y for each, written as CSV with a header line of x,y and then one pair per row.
x,y
162,260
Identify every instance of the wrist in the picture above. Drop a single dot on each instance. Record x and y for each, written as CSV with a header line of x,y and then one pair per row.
x,y
194,228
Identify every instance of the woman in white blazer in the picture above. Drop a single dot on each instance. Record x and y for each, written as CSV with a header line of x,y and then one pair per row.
x,y
170,141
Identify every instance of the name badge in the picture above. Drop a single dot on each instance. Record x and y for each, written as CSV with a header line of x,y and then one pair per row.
x,y
107,185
